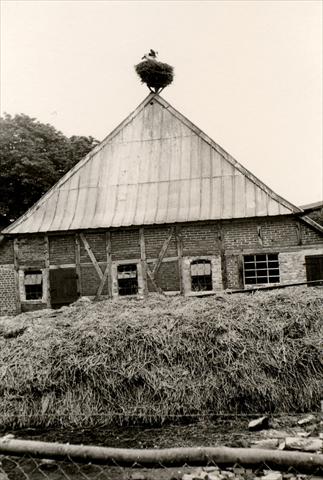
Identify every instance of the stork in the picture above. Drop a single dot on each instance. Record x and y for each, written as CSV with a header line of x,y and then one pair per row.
x,y
152,55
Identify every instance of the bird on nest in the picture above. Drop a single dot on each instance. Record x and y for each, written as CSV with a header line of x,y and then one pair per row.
x,y
152,55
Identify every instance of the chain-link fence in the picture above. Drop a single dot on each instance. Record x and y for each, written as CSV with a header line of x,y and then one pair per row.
x,y
30,460
29,468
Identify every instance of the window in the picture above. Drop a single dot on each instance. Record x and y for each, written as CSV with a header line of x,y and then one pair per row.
x,y
33,282
259,269
201,275
128,279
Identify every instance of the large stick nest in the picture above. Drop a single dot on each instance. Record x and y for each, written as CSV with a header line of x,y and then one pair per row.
x,y
156,75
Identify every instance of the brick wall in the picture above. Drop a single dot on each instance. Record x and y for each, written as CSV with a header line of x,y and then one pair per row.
x,y
234,271
6,252
292,265
125,244
61,249
200,239
90,280
97,245
310,236
284,235
168,277
8,295
31,251
154,240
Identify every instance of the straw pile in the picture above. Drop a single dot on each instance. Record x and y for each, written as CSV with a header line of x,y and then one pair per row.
x,y
147,361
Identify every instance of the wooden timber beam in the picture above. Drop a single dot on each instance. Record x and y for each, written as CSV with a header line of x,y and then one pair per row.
x,y
162,252
91,255
152,272
78,264
153,281
47,270
107,269
179,244
143,258
16,267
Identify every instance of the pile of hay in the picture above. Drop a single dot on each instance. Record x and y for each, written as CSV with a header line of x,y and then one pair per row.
x,y
156,75
147,361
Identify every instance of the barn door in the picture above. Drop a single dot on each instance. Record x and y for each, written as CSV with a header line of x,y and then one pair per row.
x,y
63,286
314,268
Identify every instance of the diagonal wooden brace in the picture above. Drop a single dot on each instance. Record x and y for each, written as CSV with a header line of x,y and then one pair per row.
x,y
91,255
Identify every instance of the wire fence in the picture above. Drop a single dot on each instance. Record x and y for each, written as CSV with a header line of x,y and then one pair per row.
x,y
32,460
28,467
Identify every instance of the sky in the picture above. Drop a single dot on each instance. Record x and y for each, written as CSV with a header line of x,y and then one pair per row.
x,y
248,73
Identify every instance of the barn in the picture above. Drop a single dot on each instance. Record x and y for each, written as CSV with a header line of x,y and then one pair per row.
x,y
157,206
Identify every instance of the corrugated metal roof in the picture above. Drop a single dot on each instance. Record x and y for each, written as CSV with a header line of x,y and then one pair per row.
x,y
156,167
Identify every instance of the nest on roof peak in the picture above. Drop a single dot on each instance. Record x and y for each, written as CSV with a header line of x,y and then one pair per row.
x,y
156,75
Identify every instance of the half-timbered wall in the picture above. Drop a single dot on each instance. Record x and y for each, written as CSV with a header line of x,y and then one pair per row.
x,y
162,256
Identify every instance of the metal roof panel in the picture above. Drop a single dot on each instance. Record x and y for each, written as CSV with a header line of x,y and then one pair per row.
x,y
155,167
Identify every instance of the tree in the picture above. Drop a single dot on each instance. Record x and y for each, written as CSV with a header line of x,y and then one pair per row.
x,y
33,156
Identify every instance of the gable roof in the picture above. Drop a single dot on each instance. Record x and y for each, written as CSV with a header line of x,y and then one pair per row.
x,y
155,167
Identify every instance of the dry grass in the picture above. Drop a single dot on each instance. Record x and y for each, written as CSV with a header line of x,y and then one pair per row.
x,y
133,360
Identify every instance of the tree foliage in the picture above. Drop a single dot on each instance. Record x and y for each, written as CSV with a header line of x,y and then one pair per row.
x,y
33,156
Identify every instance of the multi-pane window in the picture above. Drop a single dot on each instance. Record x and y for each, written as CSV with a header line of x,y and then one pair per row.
x,y
128,279
262,268
33,281
201,275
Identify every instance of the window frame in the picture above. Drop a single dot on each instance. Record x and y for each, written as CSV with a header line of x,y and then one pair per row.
x,y
267,268
216,270
114,275
119,278
22,288
201,261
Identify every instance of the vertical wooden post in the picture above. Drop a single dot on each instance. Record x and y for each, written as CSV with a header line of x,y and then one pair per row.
x,y
16,267
78,264
299,233
143,259
47,271
179,244
223,258
109,260
259,235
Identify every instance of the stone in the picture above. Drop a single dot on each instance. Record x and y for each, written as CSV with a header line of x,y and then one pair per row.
x,y
307,420
213,476
271,475
259,423
188,476
227,474
310,444
238,471
203,475
211,469
270,443
137,476
272,433
304,434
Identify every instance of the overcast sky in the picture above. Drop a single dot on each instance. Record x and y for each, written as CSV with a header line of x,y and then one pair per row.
x,y
248,73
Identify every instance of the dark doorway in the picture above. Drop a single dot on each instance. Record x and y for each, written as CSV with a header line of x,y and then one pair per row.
x,y
63,286
314,269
